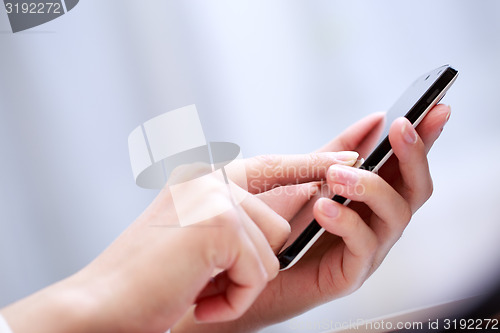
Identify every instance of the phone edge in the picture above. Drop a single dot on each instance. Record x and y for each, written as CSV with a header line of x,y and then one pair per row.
x,y
282,255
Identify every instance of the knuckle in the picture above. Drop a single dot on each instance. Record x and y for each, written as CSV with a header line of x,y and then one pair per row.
x,y
269,162
314,161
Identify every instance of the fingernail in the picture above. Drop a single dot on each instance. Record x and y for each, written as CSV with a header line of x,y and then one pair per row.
x,y
343,175
409,134
359,163
448,114
313,190
446,119
346,157
328,208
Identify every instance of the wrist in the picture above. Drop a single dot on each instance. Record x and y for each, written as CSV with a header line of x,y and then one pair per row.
x,y
61,307
188,324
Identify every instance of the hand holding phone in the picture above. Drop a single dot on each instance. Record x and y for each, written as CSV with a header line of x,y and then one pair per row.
x,y
414,104
344,256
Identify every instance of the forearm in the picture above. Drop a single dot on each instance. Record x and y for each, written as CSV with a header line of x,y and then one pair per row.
x,y
58,308
188,324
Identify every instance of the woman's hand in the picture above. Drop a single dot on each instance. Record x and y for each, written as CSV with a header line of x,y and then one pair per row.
x,y
360,235
162,265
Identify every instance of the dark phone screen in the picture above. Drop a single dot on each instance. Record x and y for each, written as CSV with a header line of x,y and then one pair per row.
x,y
413,103
411,97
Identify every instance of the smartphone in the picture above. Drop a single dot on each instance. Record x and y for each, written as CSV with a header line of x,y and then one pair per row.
x,y
414,104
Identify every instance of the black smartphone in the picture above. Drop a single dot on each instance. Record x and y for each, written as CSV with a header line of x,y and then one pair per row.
x,y
414,104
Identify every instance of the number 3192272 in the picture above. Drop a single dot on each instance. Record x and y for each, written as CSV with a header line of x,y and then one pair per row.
x,y
33,8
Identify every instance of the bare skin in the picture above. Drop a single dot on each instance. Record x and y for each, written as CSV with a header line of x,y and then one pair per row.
x,y
150,279
360,236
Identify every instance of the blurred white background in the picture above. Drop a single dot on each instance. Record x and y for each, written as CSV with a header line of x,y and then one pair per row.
x,y
271,76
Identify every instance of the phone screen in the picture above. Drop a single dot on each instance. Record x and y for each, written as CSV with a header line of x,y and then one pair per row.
x,y
410,98
414,104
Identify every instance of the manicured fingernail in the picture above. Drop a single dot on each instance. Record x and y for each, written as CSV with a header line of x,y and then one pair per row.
x,y
346,157
343,175
448,114
328,208
409,134
359,163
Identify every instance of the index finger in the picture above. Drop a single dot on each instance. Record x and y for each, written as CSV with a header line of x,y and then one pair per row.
x,y
266,172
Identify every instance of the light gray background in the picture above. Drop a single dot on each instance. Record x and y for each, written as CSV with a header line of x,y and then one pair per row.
x,y
272,76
